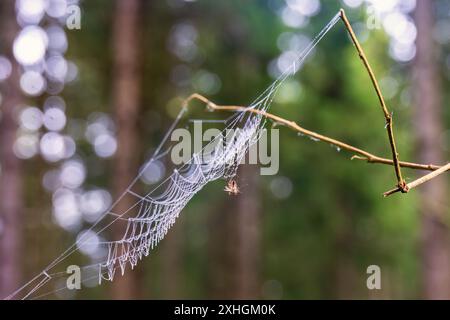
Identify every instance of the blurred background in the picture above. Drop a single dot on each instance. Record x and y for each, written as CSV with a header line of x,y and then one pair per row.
x,y
85,101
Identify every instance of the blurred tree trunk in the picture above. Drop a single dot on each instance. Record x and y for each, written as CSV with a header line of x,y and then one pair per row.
x,y
126,96
220,248
235,242
248,236
428,126
11,174
345,275
172,253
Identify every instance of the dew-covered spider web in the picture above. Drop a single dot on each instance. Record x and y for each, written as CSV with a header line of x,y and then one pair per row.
x,y
150,216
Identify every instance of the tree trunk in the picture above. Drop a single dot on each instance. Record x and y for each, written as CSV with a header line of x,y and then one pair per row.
x,y
126,96
235,242
428,125
172,263
248,236
11,174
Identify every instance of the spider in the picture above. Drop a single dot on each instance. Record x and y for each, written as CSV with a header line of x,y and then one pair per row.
x,y
232,188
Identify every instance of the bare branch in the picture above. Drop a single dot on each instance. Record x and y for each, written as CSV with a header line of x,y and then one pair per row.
x,y
362,154
403,164
387,114
421,180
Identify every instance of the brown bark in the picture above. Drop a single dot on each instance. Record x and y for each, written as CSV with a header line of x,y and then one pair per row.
x,y
428,124
126,96
11,174
345,275
235,242
171,252
248,236
221,245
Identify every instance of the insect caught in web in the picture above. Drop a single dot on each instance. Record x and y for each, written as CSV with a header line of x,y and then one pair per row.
x,y
232,188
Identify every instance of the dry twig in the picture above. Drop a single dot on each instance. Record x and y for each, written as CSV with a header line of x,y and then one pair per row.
x,y
361,154
387,114
421,180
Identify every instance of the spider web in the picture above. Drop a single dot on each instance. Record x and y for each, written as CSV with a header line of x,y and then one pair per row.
x,y
151,215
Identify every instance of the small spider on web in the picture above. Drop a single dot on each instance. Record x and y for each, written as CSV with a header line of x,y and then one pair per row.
x,y
232,188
